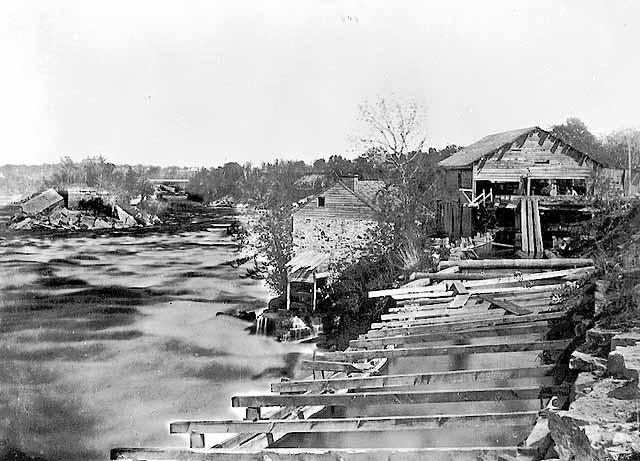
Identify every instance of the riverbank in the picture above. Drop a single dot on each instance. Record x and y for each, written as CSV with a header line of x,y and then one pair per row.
x,y
108,336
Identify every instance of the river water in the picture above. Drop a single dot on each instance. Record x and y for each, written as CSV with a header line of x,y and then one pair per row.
x,y
105,339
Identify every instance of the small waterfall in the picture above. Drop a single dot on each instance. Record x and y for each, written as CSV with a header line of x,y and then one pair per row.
x,y
261,325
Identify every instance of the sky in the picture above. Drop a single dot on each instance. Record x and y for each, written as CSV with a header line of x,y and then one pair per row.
x,y
201,83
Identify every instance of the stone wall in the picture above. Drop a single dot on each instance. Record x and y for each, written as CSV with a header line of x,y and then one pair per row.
x,y
341,237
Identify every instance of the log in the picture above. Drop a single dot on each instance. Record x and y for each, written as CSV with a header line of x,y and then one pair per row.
x,y
320,454
438,320
364,424
416,379
518,263
464,349
530,277
486,332
432,313
399,398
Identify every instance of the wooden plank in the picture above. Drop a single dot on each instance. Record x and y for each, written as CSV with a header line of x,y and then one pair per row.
x,y
523,226
398,398
415,314
459,301
518,263
324,365
423,295
484,332
423,301
440,320
537,227
530,228
530,277
507,305
461,325
364,424
532,289
459,288
415,379
319,454
414,307
407,290
464,349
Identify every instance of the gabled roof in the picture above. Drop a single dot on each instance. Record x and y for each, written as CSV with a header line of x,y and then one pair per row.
x,y
485,146
366,192
302,266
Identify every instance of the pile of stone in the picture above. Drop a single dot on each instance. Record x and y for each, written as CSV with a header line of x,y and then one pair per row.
x,y
47,211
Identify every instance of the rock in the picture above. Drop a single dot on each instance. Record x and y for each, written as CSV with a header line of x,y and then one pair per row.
x,y
540,437
583,385
599,424
87,221
125,218
624,359
42,202
585,362
25,224
599,339
101,224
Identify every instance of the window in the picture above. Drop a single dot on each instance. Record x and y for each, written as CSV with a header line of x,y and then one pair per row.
x,y
321,201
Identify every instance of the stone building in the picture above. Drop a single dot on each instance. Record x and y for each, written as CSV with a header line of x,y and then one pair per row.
x,y
331,227
336,221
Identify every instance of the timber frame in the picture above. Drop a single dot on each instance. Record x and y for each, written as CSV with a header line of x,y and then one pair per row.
x,y
513,316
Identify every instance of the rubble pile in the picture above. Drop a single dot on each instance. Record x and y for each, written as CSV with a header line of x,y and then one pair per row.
x,y
603,420
47,211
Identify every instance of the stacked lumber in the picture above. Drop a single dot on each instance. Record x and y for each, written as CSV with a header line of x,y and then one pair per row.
x,y
509,312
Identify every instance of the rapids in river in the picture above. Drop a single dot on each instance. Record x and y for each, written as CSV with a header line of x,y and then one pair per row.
x,y
105,338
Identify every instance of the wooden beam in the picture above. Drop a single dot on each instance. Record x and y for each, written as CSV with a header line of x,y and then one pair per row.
x,y
537,227
416,379
531,289
423,301
319,454
530,228
461,325
324,365
438,320
518,263
433,313
423,295
528,277
463,349
406,290
398,397
507,305
524,238
483,332
459,301
364,424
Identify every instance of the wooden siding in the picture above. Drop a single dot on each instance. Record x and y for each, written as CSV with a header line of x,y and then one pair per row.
x,y
536,158
339,203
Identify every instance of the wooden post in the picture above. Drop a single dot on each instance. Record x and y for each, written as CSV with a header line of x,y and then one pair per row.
x,y
523,225
288,295
196,440
313,296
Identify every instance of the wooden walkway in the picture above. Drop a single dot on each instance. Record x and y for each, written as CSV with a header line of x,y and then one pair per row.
x,y
474,316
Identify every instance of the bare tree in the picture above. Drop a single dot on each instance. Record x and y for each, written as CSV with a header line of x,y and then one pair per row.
x,y
394,133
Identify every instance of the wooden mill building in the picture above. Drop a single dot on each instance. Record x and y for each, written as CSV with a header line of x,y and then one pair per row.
x,y
532,163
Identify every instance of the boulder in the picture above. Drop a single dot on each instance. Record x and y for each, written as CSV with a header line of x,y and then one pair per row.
x,y
25,224
586,362
101,224
125,218
87,221
42,202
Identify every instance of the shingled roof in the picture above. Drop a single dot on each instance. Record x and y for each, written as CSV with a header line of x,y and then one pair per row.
x,y
485,146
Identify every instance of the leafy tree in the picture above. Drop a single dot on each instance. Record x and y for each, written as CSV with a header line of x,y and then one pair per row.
x,y
274,230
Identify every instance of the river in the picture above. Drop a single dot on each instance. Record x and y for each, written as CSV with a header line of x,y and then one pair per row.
x,y
106,338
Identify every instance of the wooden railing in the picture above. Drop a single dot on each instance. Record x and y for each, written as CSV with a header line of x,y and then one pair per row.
x,y
478,199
